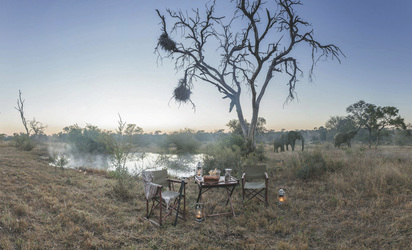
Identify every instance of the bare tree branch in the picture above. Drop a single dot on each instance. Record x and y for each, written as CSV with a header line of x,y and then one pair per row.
x,y
250,56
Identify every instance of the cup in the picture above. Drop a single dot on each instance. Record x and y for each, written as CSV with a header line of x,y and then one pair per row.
x,y
228,173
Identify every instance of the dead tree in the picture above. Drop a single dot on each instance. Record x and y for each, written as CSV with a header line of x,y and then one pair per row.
x,y
260,48
20,108
37,127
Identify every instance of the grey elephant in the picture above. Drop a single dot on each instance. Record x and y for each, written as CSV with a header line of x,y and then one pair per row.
x,y
292,137
280,143
288,139
344,138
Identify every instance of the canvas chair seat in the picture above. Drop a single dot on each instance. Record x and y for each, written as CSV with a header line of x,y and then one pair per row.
x,y
168,197
255,185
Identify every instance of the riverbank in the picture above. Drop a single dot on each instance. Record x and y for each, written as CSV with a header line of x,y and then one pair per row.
x,y
365,203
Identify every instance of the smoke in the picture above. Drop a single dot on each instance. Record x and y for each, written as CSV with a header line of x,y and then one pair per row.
x,y
58,150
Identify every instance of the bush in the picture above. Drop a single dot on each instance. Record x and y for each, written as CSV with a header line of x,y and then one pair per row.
x,y
59,161
312,165
23,142
123,189
88,140
182,141
221,157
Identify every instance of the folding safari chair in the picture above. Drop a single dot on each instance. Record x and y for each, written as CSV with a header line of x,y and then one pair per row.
x,y
255,183
160,192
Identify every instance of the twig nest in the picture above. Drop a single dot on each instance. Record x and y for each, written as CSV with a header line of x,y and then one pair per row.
x,y
182,92
166,43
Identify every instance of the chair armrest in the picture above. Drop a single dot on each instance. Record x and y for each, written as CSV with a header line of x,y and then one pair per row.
x,y
172,181
177,181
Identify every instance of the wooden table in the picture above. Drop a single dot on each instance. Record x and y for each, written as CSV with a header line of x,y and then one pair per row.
x,y
229,186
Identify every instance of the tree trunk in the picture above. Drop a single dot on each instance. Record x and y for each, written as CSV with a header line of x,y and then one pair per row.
x,y
250,142
251,138
377,139
370,139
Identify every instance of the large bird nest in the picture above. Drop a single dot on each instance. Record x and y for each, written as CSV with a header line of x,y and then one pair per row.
x,y
182,92
166,43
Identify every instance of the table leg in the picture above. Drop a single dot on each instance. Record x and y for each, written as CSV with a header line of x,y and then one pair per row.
x,y
229,193
199,195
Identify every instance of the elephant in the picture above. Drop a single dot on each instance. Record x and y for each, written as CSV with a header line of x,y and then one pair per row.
x,y
288,139
280,143
292,137
344,138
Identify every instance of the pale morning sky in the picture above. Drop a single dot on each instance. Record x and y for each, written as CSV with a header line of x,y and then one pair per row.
x,y
86,61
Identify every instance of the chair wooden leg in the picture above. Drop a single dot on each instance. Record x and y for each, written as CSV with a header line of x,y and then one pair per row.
x,y
250,194
184,202
243,194
147,208
160,219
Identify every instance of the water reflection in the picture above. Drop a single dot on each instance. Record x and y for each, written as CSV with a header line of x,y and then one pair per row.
x,y
177,165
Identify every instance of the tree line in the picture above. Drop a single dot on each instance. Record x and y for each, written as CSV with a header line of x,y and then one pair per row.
x,y
374,124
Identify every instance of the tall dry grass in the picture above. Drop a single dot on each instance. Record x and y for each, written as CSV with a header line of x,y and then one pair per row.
x,y
360,199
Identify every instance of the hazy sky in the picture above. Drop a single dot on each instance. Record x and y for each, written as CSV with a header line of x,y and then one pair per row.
x,y
86,61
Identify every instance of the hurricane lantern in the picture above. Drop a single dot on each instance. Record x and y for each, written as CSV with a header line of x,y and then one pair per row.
x,y
281,196
199,212
199,170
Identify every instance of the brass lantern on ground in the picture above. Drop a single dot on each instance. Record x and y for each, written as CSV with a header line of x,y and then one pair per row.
x,y
199,212
281,196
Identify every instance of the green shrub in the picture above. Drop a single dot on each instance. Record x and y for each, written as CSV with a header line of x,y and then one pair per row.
x,y
182,141
221,157
312,165
59,161
258,155
23,142
122,150
88,140
230,152
123,188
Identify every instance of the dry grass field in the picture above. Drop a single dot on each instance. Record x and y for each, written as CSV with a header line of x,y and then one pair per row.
x,y
362,201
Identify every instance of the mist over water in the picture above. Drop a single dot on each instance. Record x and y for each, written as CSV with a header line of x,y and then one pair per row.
x,y
177,165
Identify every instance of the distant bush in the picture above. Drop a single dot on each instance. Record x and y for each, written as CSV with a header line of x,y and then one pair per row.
x,y
403,137
88,140
222,157
182,141
23,142
230,152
